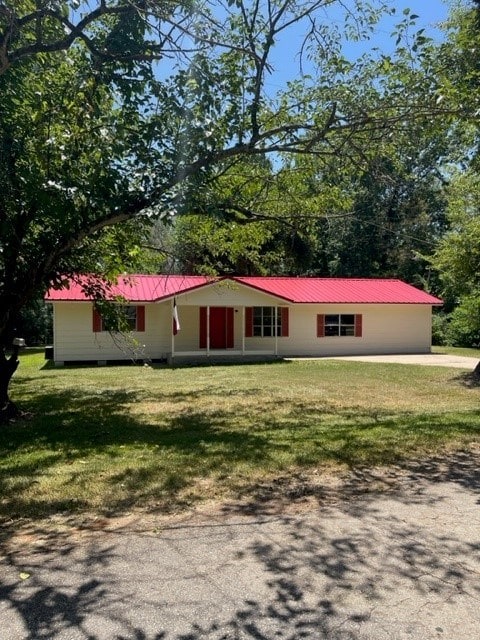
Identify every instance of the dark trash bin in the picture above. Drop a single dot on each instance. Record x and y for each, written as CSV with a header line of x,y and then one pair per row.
x,y
49,353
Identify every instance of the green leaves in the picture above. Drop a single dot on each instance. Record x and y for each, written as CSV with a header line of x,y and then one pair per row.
x,y
118,112
457,256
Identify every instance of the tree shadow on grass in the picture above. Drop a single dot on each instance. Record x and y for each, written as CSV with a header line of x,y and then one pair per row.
x,y
69,427
180,363
403,481
470,379
72,428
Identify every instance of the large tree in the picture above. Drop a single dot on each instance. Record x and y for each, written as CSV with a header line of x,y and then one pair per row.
x,y
372,209
457,259
116,111
457,255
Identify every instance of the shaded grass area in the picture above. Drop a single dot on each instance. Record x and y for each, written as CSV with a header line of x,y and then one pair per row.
x,y
110,439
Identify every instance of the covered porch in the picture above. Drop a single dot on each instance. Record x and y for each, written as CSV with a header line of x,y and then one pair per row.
x,y
225,332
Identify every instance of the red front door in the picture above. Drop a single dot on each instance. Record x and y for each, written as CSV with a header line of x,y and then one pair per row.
x,y
221,327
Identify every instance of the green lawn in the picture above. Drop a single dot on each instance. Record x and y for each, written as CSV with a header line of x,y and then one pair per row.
x,y
458,351
106,439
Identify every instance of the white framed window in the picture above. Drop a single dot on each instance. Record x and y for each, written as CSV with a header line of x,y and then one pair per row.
x,y
265,322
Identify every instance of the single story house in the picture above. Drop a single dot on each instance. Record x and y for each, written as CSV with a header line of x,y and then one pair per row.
x,y
172,317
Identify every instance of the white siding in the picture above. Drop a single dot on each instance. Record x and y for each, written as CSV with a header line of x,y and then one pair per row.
x,y
188,338
386,329
226,294
74,338
222,294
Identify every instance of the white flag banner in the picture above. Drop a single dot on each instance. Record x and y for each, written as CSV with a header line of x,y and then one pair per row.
x,y
176,322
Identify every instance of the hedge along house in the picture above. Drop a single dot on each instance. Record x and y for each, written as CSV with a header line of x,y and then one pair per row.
x,y
181,317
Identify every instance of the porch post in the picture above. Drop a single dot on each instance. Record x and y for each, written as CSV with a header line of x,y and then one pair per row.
x,y
243,330
208,331
276,330
172,335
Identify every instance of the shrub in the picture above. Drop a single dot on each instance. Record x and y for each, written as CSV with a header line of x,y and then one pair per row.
x,y
439,329
464,323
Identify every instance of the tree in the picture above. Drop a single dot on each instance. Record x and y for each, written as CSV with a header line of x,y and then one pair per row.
x,y
457,68
372,210
114,112
395,215
246,223
457,259
113,31
457,256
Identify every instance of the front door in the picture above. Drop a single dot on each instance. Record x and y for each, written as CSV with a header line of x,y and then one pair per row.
x,y
221,327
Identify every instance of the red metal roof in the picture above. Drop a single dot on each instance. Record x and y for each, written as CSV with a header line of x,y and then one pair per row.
x,y
341,290
144,288
135,288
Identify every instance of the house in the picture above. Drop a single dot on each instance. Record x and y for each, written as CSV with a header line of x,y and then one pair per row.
x,y
173,317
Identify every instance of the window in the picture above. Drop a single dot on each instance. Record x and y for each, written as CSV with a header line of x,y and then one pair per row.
x,y
339,324
124,318
266,322
121,319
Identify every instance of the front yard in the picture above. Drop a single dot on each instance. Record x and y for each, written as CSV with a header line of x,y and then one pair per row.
x,y
106,440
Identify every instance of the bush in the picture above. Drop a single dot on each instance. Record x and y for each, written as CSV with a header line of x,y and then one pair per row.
x,y
439,329
464,324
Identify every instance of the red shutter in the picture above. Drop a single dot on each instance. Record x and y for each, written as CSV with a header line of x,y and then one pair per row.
x,y
203,327
96,320
141,318
358,325
284,311
229,331
320,325
248,322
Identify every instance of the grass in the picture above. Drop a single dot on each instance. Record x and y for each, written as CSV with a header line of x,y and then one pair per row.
x,y
108,439
458,351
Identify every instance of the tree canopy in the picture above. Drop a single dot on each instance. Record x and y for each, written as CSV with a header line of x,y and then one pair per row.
x,y
117,112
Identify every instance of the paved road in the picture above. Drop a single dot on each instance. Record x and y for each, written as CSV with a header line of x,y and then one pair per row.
x,y
385,556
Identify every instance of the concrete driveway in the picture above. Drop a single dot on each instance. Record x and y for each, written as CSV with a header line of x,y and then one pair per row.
x,y
384,555
427,359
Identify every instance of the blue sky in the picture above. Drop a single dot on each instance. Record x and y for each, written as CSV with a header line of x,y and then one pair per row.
x,y
431,13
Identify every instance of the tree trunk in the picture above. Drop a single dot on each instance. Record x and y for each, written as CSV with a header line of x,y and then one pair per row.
x,y
8,366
